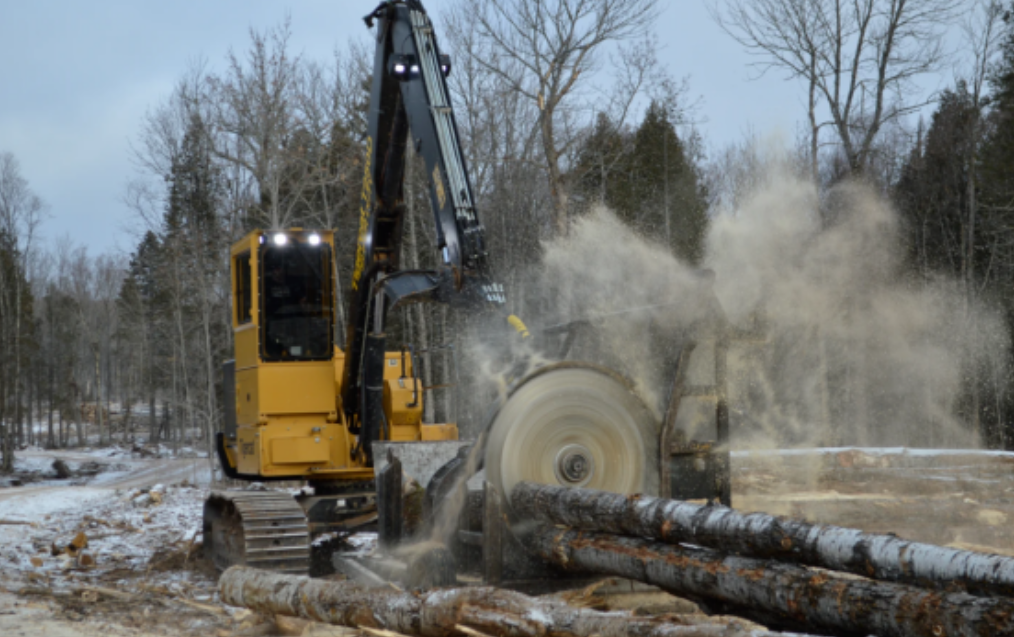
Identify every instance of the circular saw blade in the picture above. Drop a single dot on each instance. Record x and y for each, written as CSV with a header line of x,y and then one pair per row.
x,y
576,427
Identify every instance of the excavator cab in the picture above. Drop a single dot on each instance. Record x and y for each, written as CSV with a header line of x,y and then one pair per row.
x,y
282,415
283,412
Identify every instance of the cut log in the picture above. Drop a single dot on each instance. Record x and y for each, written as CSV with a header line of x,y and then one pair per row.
x,y
15,522
880,557
438,613
775,593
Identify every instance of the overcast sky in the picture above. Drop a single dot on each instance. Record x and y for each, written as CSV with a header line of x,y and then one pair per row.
x,y
77,77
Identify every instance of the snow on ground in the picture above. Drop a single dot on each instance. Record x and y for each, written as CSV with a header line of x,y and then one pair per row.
x,y
126,526
141,518
32,506
129,508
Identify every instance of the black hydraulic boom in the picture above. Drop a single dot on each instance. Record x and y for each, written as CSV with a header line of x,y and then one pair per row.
x,y
409,100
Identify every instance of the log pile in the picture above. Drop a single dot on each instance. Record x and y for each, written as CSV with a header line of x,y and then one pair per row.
x,y
785,574
777,594
476,610
879,557
646,539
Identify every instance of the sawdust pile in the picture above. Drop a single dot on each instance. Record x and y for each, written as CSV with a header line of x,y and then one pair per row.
x,y
858,352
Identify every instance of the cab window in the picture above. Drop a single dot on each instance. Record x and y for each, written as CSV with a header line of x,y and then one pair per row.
x,y
295,302
243,298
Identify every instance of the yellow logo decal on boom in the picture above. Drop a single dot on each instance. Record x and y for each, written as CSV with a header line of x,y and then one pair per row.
x,y
438,183
364,214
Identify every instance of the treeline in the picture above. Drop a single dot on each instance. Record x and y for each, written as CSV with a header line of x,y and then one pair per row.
x,y
552,126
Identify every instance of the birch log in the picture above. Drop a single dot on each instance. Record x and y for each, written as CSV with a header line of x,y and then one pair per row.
x,y
880,557
775,593
440,613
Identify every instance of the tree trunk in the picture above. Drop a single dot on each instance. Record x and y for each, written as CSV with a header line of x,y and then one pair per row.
x,y
29,403
6,431
880,557
128,431
109,384
79,426
557,190
152,417
16,385
19,414
49,410
439,613
811,112
774,593
98,394
209,357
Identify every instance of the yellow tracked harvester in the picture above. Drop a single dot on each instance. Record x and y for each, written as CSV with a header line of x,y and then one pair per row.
x,y
299,407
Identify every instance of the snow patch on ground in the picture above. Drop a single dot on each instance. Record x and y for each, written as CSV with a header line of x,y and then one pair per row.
x,y
33,506
33,464
124,530
139,516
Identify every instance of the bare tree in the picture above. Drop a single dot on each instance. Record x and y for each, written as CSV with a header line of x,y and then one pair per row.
x,y
255,117
20,214
549,53
21,209
859,58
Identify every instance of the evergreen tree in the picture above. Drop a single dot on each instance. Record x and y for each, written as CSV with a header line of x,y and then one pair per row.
x,y
193,275
192,216
996,182
604,165
649,180
955,193
667,202
998,155
60,338
15,336
141,306
931,193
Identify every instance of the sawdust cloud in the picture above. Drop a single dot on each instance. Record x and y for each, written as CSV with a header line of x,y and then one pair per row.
x,y
857,351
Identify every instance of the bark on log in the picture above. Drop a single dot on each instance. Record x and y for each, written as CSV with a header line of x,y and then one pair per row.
x,y
880,557
437,613
777,594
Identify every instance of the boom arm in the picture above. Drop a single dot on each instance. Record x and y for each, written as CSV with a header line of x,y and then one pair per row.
x,y
409,94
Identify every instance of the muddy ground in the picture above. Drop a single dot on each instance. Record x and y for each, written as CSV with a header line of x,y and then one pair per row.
x,y
141,517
